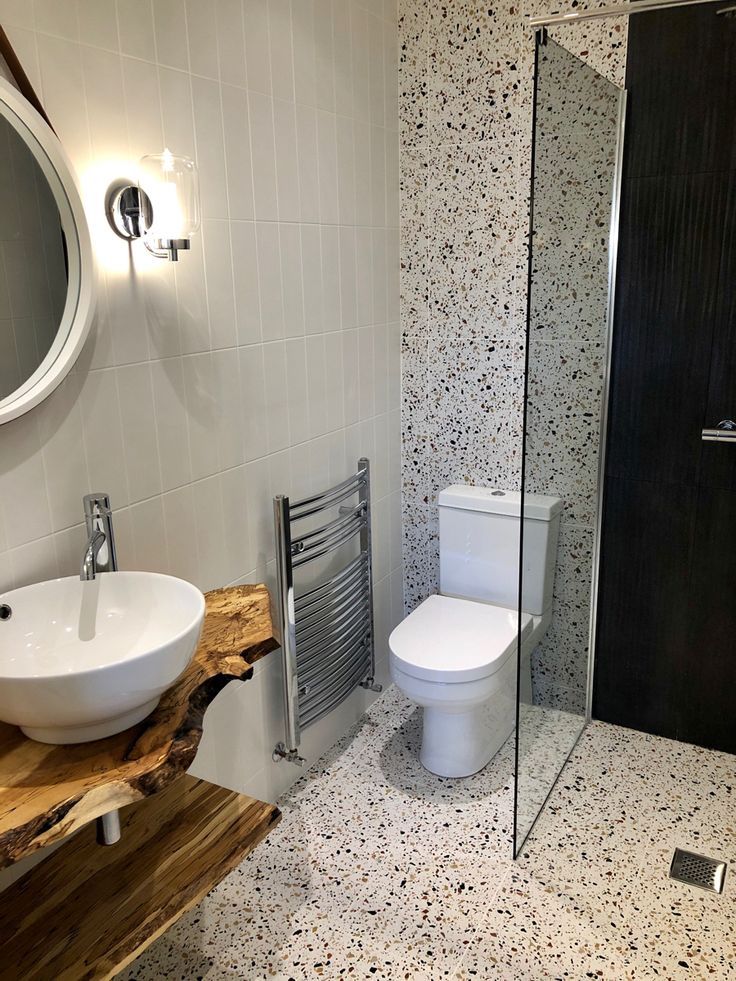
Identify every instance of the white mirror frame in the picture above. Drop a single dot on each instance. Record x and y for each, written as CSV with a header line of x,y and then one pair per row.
x,y
78,311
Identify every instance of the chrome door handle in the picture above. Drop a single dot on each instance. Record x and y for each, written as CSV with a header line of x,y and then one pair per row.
x,y
725,432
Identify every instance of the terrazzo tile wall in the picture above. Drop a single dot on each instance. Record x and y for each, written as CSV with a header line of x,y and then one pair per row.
x,y
465,93
267,359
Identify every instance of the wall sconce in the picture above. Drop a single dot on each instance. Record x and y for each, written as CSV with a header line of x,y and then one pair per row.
x,y
163,209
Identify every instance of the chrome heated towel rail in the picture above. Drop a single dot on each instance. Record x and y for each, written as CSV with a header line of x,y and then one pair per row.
x,y
327,643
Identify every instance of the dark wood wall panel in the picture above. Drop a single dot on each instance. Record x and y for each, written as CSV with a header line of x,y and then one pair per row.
x,y
718,467
666,643
671,237
707,697
642,646
681,77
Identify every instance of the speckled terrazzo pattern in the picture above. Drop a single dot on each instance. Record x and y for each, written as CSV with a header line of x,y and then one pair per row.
x,y
465,93
380,870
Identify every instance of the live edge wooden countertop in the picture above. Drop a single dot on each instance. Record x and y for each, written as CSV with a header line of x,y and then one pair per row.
x,y
48,792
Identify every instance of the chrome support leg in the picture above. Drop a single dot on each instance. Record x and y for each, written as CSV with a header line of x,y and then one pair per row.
x,y
108,828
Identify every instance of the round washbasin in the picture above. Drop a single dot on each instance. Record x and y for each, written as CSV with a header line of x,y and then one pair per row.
x,y
83,660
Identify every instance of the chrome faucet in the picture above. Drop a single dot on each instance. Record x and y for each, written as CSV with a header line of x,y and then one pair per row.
x,y
89,562
98,520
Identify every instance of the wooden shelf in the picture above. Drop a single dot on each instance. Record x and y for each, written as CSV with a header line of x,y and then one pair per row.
x,y
87,911
48,792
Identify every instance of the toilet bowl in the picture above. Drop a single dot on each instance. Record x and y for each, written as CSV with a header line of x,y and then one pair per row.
x,y
456,656
457,659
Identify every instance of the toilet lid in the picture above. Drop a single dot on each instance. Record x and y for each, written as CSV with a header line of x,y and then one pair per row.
x,y
451,640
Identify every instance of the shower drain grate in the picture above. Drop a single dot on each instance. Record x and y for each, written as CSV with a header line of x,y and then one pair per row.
x,y
698,870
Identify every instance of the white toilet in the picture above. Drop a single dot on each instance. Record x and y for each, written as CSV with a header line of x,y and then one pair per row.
x,y
455,655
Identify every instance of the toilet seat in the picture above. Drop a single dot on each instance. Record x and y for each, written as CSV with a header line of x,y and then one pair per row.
x,y
453,640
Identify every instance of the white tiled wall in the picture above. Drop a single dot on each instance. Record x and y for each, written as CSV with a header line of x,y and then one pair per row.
x,y
267,359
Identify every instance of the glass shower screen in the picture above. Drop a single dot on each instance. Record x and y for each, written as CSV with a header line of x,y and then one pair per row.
x,y
577,138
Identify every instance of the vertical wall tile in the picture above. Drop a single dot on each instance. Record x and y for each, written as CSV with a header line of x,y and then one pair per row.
x,y
135,22
202,413
139,431
287,170
18,13
330,255
253,381
343,61
236,126
282,55
170,28
149,536
327,151
269,277
277,412
364,275
308,155
257,46
210,147
143,107
305,68
220,290
64,460
210,532
23,494
245,271
296,381
345,170
312,279
263,156
333,355
351,377
181,533
316,385
227,384
57,17
98,23
176,112
191,289
291,279
366,373
202,35
64,96
170,404
348,281
34,562
103,435
239,553
231,42
324,58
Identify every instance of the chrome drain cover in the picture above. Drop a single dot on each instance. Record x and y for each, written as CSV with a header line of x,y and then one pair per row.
x,y
698,870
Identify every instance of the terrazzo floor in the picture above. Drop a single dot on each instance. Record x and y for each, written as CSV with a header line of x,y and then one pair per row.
x,y
380,870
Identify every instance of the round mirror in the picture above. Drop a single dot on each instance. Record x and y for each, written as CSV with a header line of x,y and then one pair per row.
x,y
46,273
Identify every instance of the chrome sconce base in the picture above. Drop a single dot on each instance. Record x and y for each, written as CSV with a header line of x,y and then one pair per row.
x,y
130,215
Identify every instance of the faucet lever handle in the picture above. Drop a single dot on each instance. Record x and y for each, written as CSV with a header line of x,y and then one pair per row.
x,y
95,504
98,517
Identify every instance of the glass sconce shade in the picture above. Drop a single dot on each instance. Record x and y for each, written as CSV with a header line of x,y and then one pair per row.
x,y
172,186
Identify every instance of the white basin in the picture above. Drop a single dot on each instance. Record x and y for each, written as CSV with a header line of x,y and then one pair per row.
x,y
83,660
